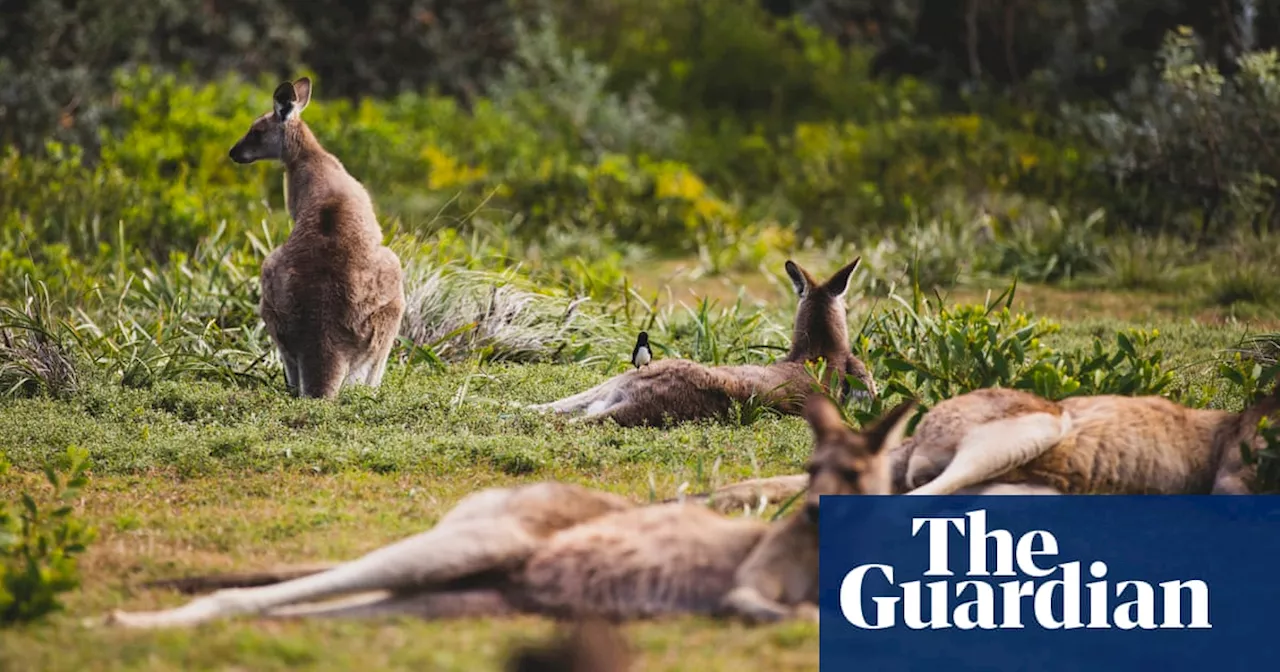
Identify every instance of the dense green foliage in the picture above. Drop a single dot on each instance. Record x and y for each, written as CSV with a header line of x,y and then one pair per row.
x,y
1198,141
741,117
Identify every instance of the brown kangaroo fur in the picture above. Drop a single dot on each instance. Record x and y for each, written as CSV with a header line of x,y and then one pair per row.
x,y
590,646
1101,444
571,552
679,390
1000,441
332,294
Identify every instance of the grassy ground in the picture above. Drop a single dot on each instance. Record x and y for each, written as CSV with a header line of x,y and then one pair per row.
x,y
202,477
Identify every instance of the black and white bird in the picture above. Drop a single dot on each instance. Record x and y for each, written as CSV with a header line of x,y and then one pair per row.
x,y
641,355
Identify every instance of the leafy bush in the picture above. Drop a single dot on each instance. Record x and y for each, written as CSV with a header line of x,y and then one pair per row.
x,y
878,173
718,60
38,547
928,352
1190,143
56,58
1053,251
1256,374
567,94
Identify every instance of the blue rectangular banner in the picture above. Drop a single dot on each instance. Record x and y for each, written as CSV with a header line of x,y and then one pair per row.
x,y
1049,583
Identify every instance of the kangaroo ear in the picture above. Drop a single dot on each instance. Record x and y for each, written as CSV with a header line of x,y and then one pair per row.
x,y
839,283
823,416
887,432
302,89
799,278
285,99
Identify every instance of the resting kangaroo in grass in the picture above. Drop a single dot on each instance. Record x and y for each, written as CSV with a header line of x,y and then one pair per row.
x,y
680,390
567,551
1100,444
332,294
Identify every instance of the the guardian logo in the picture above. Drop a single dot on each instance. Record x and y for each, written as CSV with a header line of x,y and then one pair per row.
x,y
1022,578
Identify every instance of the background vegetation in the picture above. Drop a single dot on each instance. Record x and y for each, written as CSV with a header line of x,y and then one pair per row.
x,y
557,175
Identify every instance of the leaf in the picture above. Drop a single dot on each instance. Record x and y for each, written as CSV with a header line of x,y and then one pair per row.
x,y
1001,366
51,477
29,504
894,364
1126,345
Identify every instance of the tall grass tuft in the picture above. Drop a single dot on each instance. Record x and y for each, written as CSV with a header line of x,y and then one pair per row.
x,y
458,314
35,355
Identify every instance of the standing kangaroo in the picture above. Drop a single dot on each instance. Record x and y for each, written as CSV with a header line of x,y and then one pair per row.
x,y
679,390
567,551
332,294
1012,442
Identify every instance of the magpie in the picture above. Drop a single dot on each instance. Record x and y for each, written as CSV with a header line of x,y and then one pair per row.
x,y
641,355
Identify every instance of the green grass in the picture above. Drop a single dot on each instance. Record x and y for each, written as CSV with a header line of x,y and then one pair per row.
x,y
208,476
437,425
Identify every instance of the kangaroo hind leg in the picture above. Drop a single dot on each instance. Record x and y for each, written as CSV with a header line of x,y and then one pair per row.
x,y
427,604
445,553
372,364
994,448
583,400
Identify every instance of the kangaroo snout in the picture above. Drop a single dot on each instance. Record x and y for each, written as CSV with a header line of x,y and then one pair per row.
x,y
237,154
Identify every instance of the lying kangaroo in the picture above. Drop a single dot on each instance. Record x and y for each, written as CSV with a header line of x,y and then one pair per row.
x,y
1005,441
678,390
567,551
332,294
1102,444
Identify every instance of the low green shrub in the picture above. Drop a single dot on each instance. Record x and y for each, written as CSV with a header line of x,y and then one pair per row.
x,y
39,544
1187,146
930,352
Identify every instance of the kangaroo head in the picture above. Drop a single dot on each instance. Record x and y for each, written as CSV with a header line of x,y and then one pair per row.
x,y
820,327
269,134
845,462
